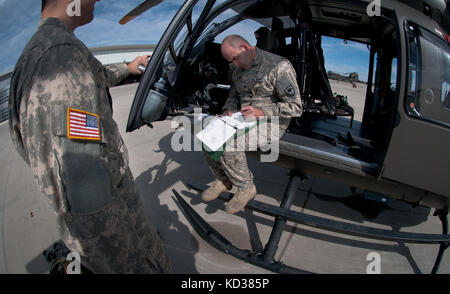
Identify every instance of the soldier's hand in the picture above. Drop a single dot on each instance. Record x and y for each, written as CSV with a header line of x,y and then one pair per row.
x,y
133,66
227,113
251,111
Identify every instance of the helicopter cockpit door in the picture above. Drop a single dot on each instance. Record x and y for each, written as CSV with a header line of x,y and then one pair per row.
x,y
419,150
165,65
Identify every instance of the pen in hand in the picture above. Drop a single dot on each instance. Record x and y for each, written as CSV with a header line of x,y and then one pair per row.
x,y
245,107
250,111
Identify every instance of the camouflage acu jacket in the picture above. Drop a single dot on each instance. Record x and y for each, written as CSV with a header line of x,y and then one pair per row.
x,y
56,72
61,123
270,84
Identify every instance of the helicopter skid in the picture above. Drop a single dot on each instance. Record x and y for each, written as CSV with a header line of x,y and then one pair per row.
x,y
283,213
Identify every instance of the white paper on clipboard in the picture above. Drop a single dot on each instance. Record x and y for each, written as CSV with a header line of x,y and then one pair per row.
x,y
238,121
215,134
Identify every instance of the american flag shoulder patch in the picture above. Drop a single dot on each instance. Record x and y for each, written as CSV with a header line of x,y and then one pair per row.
x,y
82,125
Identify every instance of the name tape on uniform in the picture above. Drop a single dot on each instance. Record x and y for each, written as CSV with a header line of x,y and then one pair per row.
x,y
82,125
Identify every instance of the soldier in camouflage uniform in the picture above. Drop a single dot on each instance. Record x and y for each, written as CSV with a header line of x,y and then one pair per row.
x,y
264,86
82,168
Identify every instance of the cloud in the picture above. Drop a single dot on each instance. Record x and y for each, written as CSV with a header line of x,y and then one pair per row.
x,y
358,46
338,44
19,19
146,28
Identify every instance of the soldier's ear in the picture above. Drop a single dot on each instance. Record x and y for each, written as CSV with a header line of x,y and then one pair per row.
x,y
246,46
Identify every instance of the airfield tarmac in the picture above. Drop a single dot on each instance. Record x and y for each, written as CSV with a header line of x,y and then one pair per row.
x,y
28,226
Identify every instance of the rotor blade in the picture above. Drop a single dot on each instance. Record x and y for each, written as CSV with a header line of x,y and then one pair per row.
x,y
139,10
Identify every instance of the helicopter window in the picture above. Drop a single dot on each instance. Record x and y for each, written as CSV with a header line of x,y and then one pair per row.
x,y
445,96
412,102
216,23
198,10
374,74
218,2
169,62
412,87
228,22
244,28
186,31
347,63
179,41
394,74
183,36
429,76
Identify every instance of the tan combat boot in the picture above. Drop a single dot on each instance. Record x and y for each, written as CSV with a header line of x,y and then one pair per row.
x,y
240,200
216,188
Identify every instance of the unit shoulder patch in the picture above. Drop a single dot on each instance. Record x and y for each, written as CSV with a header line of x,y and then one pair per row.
x,y
82,125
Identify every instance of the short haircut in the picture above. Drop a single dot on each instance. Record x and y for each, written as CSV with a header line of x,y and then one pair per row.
x,y
235,41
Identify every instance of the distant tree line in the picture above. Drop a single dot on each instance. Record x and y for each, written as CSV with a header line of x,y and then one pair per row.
x,y
352,77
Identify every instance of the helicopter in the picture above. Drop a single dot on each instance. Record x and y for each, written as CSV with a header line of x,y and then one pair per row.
x,y
400,148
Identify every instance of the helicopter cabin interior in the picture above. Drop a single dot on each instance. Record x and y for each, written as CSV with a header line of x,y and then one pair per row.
x,y
295,30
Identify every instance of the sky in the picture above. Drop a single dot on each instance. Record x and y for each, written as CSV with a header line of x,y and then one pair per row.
x,y
345,58
19,19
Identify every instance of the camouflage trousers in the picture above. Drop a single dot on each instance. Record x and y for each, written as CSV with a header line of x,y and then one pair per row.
x,y
117,238
232,164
